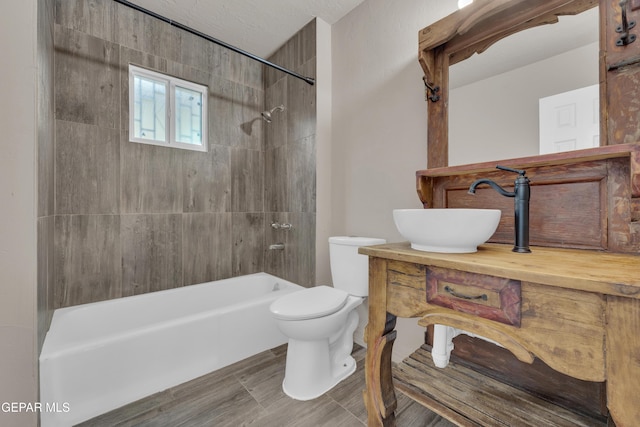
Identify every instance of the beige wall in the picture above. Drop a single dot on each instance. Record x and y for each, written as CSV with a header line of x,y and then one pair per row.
x,y
379,122
18,375
324,175
379,113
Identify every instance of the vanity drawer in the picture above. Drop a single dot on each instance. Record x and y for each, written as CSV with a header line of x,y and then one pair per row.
x,y
490,297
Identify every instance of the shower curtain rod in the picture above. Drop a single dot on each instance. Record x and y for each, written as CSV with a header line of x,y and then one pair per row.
x,y
309,80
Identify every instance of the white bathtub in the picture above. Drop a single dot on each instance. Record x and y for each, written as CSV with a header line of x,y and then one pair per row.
x,y
100,356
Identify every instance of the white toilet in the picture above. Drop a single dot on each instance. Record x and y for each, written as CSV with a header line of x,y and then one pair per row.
x,y
320,322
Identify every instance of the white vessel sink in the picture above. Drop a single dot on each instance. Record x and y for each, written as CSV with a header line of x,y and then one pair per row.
x,y
446,230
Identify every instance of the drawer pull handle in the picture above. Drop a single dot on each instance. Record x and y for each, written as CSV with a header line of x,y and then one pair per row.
x,y
450,290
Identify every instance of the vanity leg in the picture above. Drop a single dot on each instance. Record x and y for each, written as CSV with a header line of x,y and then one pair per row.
x,y
379,396
623,360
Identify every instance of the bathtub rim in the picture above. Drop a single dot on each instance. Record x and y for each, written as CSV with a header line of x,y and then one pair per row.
x,y
48,353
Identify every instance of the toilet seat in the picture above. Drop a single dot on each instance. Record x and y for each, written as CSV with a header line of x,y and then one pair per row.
x,y
310,303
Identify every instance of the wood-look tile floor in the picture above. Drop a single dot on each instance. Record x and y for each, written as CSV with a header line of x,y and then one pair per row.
x,y
249,393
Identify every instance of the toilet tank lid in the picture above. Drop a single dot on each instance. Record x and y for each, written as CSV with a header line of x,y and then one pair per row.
x,y
309,303
356,240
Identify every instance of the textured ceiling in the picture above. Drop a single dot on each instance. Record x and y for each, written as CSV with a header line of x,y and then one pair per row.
x,y
257,26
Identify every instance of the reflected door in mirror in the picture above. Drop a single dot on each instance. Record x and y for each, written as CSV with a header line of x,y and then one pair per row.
x,y
570,120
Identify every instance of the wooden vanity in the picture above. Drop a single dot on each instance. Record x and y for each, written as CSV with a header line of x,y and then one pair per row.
x,y
579,311
574,302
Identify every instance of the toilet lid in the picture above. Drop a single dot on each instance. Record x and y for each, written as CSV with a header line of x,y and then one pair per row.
x,y
310,303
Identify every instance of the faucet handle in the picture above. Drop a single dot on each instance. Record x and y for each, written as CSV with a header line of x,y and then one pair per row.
x,y
518,171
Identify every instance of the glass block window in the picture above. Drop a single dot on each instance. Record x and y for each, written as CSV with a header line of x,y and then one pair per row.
x,y
165,110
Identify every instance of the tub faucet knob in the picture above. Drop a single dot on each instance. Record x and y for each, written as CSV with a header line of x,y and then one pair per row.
x,y
279,226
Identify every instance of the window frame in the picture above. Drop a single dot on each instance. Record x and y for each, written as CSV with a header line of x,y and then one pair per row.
x,y
171,83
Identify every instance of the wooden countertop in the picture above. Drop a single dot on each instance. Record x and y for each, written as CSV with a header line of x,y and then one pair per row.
x,y
600,272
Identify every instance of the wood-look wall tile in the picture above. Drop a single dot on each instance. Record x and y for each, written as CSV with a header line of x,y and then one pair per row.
x,y
275,260
236,118
247,172
169,199
189,73
290,51
87,169
207,180
145,33
301,101
96,17
45,110
87,259
150,177
252,73
301,170
46,275
301,249
45,249
197,52
300,48
252,107
215,64
272,75
207,247
223,128
297,262
248,243
46,175
46,165
275,180
230,65
275,133
151,252
87,79
306,45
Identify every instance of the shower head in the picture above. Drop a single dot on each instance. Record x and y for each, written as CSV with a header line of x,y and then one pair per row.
x,y
266,115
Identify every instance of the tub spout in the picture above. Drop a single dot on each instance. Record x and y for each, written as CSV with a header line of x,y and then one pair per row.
x,y
522,194
276,247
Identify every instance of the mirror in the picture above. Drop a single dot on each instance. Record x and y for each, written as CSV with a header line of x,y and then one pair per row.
x,y
476,29
494,96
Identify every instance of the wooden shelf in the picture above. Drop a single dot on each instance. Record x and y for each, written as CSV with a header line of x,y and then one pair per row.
x,y
554,159
470,398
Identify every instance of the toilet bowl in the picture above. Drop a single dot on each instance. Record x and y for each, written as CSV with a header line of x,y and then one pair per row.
x,y
320,322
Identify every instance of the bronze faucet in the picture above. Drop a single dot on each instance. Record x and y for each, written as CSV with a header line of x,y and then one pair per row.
x,y
522,194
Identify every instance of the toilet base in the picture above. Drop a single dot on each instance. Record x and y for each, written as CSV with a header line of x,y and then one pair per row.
x,y
316,364
308,389
315,367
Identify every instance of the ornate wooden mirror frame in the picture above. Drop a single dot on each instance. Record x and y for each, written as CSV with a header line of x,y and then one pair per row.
x,y
471,30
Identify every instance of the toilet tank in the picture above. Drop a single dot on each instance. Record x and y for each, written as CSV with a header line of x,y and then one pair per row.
x,y
349,269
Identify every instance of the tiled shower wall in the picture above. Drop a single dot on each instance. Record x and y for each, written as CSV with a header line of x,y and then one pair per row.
x,y
290,159
133,218
46,166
